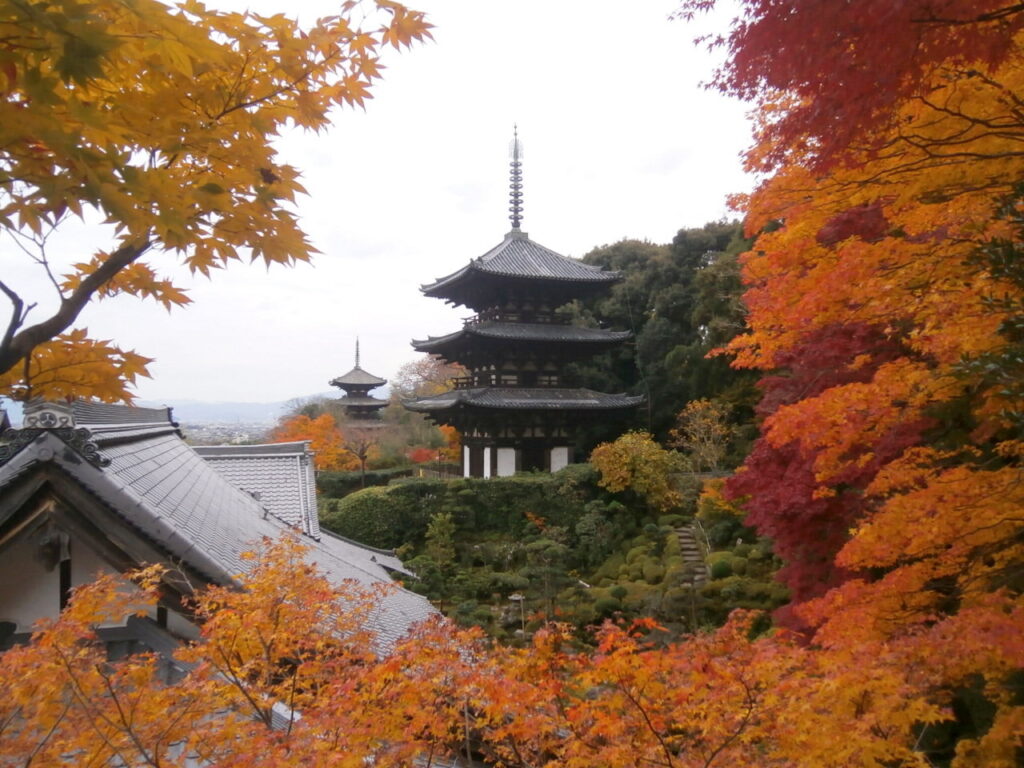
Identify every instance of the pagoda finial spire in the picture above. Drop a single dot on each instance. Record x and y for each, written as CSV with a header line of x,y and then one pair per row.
x,y
516,182
357,351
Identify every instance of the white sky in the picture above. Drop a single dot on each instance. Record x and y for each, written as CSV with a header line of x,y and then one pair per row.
x,y
621,141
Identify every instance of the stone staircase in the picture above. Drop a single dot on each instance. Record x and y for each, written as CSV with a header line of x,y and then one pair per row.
x,y
693,555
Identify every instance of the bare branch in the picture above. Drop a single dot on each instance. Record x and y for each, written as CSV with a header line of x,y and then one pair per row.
x,y
20,344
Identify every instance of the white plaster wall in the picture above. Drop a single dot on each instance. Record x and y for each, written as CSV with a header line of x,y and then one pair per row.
x,y
560,455
86,565
28,592
465,461
506,462
487,461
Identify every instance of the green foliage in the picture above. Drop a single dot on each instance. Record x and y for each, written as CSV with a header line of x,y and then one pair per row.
x,y
721,569
384,516
635,462
441,539
607,606
680,301
335,485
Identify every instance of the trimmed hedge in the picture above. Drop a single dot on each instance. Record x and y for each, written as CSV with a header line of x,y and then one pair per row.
x,y
336,485
398,514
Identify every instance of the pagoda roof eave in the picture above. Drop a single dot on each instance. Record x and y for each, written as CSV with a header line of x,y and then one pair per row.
x,y
524,398
525,332
358,377
519,257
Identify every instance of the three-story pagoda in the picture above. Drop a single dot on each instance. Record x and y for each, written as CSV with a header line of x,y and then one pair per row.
x,y
513,408
360,406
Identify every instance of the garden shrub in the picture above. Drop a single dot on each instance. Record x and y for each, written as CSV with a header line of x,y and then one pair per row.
x,y
336,485
721,569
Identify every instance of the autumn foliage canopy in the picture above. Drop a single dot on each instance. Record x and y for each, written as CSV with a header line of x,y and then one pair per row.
x,y
885,296
885,292
158,120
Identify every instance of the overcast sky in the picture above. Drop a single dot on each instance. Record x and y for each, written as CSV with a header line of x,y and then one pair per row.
x,y
621,141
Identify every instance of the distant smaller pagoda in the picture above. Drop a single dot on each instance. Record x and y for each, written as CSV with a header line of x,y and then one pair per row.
x,y
360,406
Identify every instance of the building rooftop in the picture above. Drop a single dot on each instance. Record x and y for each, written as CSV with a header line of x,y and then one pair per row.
x,y
132,465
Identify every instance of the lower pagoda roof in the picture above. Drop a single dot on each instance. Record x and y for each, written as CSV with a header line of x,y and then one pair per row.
x,y
526,332
524,398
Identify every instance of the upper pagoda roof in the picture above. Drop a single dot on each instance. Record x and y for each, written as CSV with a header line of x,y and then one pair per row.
x,y
517,256
358,377
528,332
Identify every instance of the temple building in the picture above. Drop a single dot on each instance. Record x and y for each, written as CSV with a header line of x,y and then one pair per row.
x,y
513,409
89,488
360,406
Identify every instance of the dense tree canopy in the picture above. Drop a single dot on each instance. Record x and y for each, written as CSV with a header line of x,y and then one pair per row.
x,y
681,301
157,120
885,304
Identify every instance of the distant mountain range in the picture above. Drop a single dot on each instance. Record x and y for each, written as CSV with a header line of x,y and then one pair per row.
x,y
202,412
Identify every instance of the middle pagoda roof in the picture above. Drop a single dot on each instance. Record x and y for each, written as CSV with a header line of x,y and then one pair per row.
x,y
518,259
520,332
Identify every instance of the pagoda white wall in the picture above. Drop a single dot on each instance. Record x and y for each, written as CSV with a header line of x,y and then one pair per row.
x,y
506,462
560,457
487,461
465,461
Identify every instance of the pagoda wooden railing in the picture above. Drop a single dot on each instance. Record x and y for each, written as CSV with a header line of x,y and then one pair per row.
x,y
507,316
542,381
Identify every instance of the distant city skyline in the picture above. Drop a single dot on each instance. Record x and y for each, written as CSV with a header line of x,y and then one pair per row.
x,y
621,141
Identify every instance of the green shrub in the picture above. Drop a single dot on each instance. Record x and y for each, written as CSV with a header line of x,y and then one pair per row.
x,y
337,485
618,592
653,571
738,565
606,606
636,553
742,550
383,516
721,569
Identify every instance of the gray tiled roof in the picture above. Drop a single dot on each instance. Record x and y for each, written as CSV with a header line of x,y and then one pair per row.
x,y
511,398
358,377
534,332
278,475
518,256
164,490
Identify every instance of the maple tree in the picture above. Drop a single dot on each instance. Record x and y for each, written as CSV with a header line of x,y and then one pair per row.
x,y
286,672
884,299
637,463
158,120
332,449
702,430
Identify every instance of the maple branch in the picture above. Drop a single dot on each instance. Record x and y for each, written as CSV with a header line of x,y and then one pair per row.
x,y
996,15
18,314
751,703
647,721
17,345
49,734
125,720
